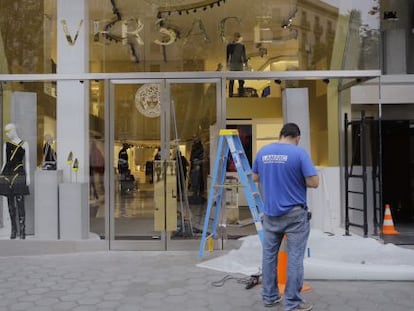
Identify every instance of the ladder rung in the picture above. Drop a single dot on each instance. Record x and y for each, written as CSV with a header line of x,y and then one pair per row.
x,y
356,225
355,209
228,185
355,192
355,176
244,172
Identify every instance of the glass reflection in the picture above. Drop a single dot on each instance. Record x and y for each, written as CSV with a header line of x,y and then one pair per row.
x,y
278,35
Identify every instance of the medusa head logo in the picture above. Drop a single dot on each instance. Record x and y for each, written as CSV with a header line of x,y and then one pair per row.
x,y
147,100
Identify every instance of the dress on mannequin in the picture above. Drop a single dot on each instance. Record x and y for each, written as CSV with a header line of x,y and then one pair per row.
x,y
15,178
49,154
236,61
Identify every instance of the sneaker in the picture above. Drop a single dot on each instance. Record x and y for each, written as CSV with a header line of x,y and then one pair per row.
x,y
304,306
273,303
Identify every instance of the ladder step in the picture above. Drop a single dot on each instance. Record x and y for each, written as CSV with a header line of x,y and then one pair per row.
x,y
355,192
356,225
356,209
229,140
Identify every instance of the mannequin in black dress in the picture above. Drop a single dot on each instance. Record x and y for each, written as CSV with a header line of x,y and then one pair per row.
x,y
15,178
49,154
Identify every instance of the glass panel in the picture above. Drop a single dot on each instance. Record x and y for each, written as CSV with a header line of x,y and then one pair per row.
x,y
29,115
161,36
139,187
193,121
28,37
182,35
97,159
31,106
397,39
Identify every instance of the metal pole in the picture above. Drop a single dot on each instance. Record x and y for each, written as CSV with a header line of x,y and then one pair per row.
x,y
364,170
182,189
380,203
346,175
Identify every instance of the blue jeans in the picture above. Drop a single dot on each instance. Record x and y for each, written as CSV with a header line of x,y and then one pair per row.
x,y
295,225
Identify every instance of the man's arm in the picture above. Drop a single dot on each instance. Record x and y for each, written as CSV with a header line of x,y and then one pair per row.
x,y
312,181
256,177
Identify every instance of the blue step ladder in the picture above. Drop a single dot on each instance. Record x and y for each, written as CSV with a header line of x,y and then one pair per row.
x,y
229,140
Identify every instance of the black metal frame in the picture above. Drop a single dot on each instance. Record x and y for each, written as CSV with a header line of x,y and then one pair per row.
x,y
361,147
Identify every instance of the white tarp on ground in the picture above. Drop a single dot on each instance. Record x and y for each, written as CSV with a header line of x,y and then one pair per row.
x,y
331,257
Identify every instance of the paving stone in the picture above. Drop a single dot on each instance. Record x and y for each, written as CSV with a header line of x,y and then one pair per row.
x,y
64,306
158,281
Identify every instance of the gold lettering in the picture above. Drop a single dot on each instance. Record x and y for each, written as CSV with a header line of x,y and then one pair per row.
x,y
193,31
222,27
134,33
170,33
67,33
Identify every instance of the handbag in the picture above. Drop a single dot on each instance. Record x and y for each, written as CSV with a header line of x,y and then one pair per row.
x,y
49,165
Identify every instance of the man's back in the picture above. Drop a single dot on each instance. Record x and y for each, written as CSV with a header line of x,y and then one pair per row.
x,y
282,169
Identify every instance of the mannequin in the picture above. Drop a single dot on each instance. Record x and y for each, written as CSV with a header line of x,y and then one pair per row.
x,y
15,178
123,159
236,61
196,170
49,154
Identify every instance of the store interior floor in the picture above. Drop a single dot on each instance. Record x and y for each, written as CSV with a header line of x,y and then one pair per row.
x,y
134,217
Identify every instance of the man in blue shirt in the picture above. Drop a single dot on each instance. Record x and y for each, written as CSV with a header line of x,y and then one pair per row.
x,y
285,171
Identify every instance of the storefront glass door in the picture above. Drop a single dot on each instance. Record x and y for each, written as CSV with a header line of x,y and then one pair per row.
x,y
135,139
194,115
153,124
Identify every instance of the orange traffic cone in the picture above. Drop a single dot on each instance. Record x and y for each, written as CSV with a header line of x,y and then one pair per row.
x,y
388,225
282,260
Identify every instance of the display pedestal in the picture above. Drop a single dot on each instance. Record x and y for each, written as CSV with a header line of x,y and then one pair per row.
x,y
74,212
46,205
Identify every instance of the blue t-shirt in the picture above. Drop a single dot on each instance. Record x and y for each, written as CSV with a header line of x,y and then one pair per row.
x,y
282,168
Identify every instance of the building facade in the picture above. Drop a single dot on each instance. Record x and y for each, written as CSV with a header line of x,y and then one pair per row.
x,y
107,94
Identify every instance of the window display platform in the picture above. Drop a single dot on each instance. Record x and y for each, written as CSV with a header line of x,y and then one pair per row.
x,y
46,204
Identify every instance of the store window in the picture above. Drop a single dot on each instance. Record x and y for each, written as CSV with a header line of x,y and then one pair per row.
x,y
28,37
29,160
182,35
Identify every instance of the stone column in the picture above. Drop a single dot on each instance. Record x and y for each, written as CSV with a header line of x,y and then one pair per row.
x,y
295,103
73,96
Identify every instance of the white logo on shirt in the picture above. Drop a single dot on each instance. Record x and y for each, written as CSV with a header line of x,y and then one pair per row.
x,y
274,158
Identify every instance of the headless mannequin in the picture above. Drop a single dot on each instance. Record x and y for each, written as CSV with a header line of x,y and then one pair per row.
x,y
49,154
15,173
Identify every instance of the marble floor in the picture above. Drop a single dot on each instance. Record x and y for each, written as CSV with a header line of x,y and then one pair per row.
x,y
135,216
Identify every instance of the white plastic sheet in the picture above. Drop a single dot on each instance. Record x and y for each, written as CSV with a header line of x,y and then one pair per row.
x,y
330,257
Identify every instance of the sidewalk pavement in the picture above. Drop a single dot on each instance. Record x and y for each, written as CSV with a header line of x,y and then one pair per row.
x,y
168,280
